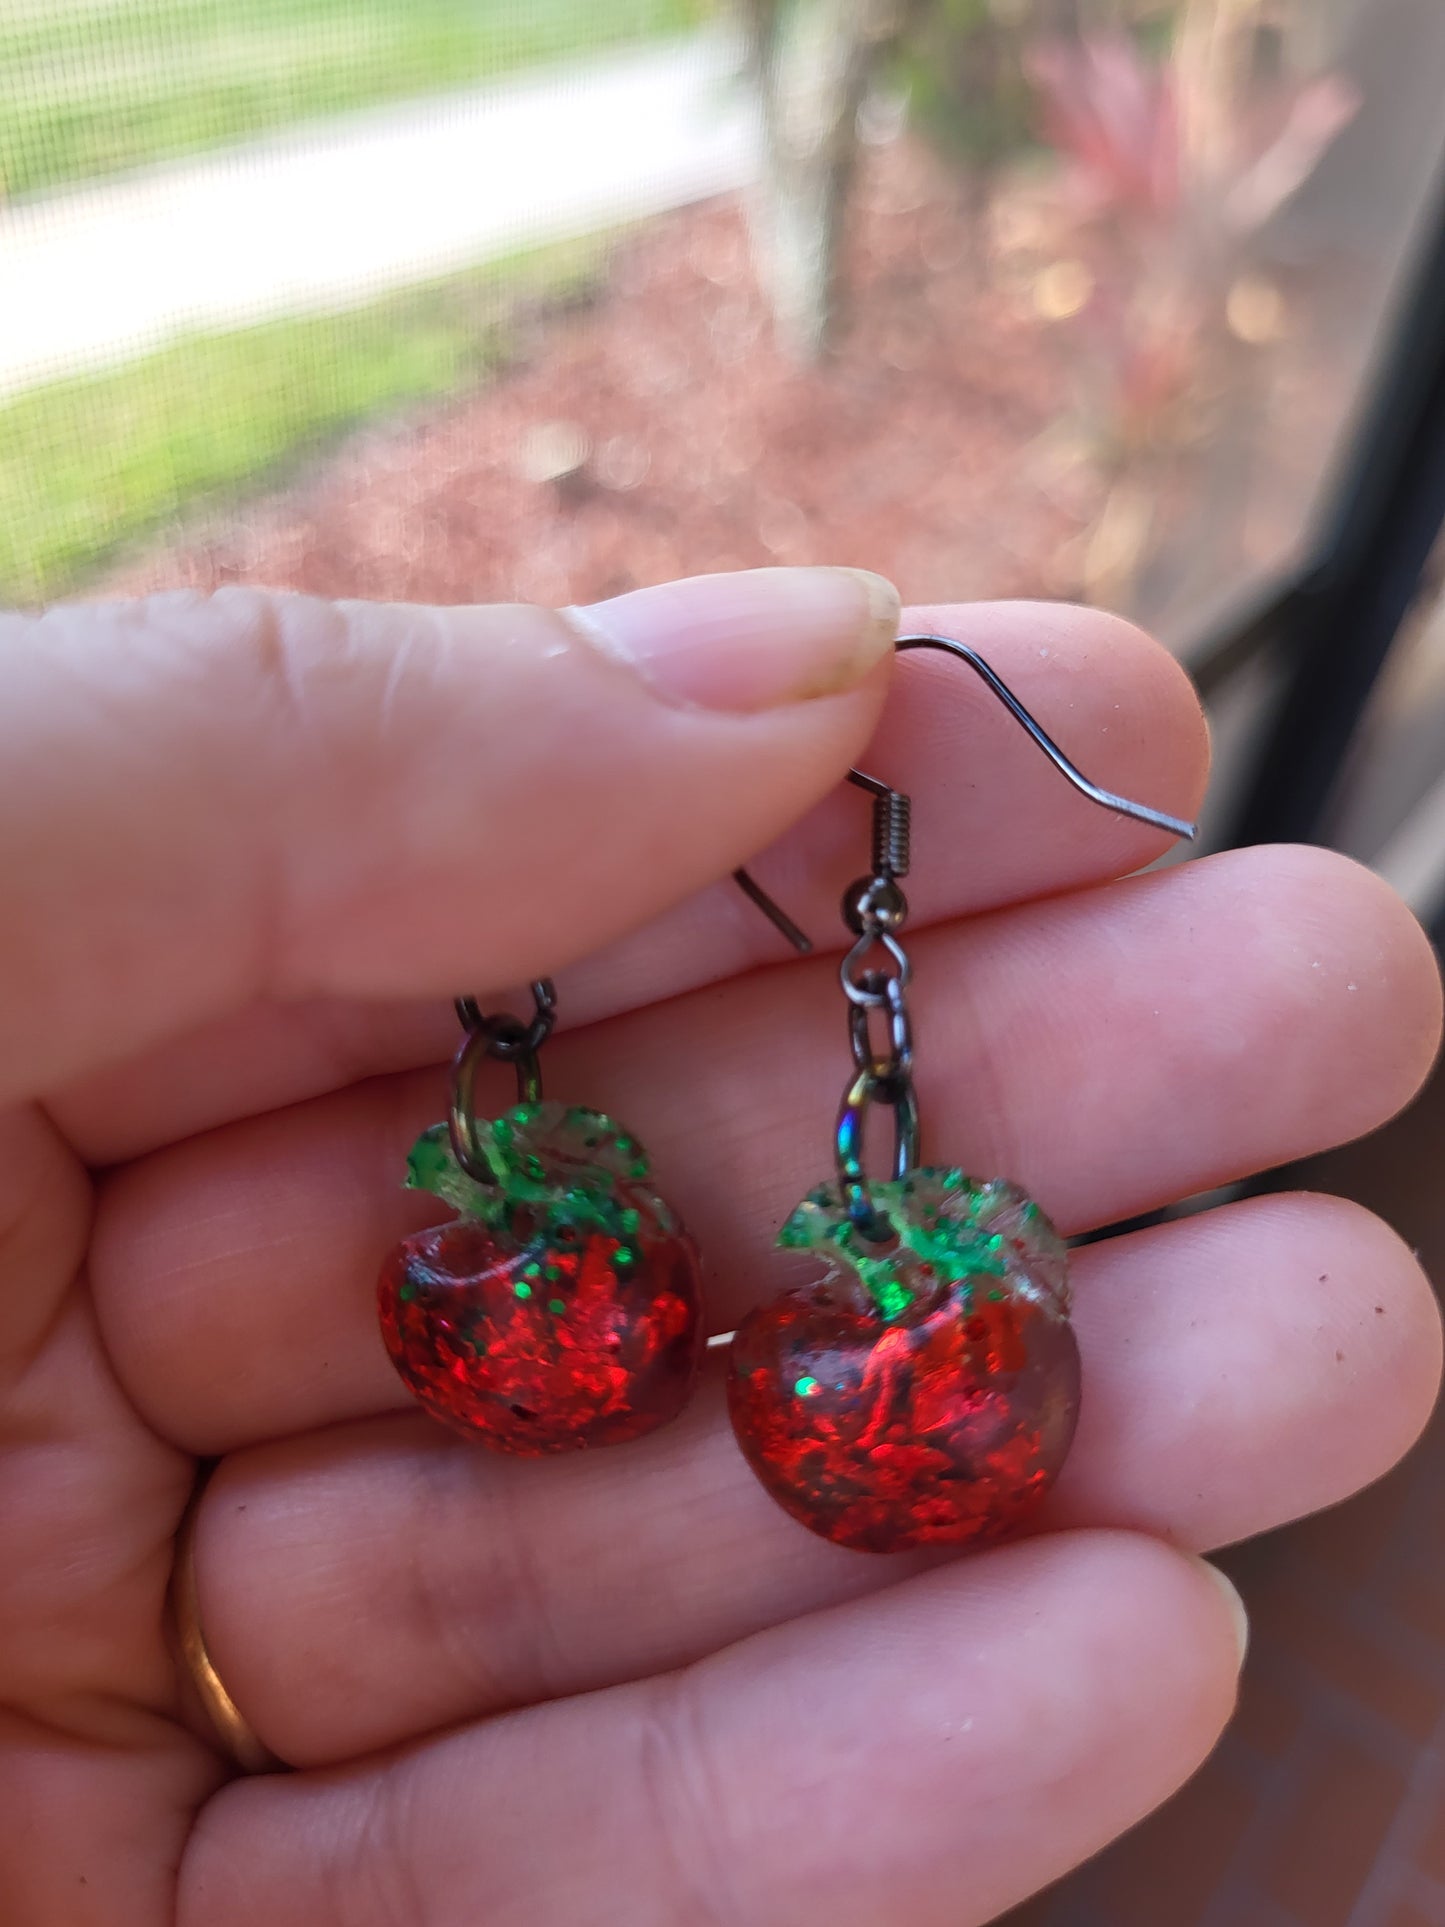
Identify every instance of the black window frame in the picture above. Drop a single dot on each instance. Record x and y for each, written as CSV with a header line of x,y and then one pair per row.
x,y
1330,619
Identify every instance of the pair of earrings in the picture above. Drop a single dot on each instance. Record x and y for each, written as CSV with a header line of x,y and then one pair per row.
x,y
923,1392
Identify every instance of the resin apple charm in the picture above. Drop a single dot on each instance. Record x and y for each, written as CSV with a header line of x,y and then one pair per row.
x,y
560,1308
926,1391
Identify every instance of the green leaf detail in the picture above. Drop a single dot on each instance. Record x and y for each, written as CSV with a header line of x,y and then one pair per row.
x,y
950,1230
431,1165
561,1166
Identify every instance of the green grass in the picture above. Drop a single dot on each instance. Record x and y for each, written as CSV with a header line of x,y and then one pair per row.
x,y
90,464
91,86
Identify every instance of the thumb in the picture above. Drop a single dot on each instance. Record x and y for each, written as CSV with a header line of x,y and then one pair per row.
x,y
205,801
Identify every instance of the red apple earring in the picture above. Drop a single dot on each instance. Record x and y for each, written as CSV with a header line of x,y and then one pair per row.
x,y
925,1390
560,1308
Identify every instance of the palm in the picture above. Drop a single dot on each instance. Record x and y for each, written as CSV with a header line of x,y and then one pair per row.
x,y
708,1715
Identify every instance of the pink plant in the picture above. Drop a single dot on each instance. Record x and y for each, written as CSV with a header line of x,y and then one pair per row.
x,y
1118,117
1114,116
1171,164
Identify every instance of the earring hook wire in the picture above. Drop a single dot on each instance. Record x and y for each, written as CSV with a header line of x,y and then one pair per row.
x,y
891,806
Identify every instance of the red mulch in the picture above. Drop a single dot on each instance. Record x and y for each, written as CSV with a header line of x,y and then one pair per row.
x,y
915,450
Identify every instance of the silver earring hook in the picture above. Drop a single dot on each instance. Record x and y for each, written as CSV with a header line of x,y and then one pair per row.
x,y
1106,799
891,807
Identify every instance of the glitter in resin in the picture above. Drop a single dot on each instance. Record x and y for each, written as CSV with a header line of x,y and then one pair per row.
x,y
925,1392
560,1309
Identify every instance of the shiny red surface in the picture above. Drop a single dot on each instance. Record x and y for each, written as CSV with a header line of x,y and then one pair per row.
x,y
944,1430
602,1350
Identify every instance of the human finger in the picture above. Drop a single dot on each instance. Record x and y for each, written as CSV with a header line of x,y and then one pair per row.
x,y
1111,1050
930,1755
1241,1369
268,796
993,825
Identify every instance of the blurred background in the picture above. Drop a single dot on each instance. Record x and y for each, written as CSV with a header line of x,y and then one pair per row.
x,y
1120,300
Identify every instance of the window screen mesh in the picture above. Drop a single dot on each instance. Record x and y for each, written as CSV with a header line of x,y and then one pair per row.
x,y
463,298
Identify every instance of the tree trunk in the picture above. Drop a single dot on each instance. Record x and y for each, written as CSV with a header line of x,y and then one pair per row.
x,y
811,62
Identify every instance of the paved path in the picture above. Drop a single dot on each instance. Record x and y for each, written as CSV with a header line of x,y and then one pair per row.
x,y
339,210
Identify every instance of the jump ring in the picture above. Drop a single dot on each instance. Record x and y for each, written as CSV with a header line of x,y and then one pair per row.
x,y
876,1081
478,1047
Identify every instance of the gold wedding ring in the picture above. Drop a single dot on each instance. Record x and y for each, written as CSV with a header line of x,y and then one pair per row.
x,y
233,1733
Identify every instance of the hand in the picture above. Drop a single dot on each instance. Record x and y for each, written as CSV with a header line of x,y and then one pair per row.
x,y
249,847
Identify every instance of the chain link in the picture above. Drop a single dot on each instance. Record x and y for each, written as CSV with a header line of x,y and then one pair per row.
x,y
510,1035
876,908
883,993
855,972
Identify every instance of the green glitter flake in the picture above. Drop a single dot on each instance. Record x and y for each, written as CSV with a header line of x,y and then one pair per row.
x,y
557,1306
805,1387
891,1297
431,1164
521,1289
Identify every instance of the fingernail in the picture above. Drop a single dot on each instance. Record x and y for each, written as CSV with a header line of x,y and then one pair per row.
x,y
1236,1606
749,641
